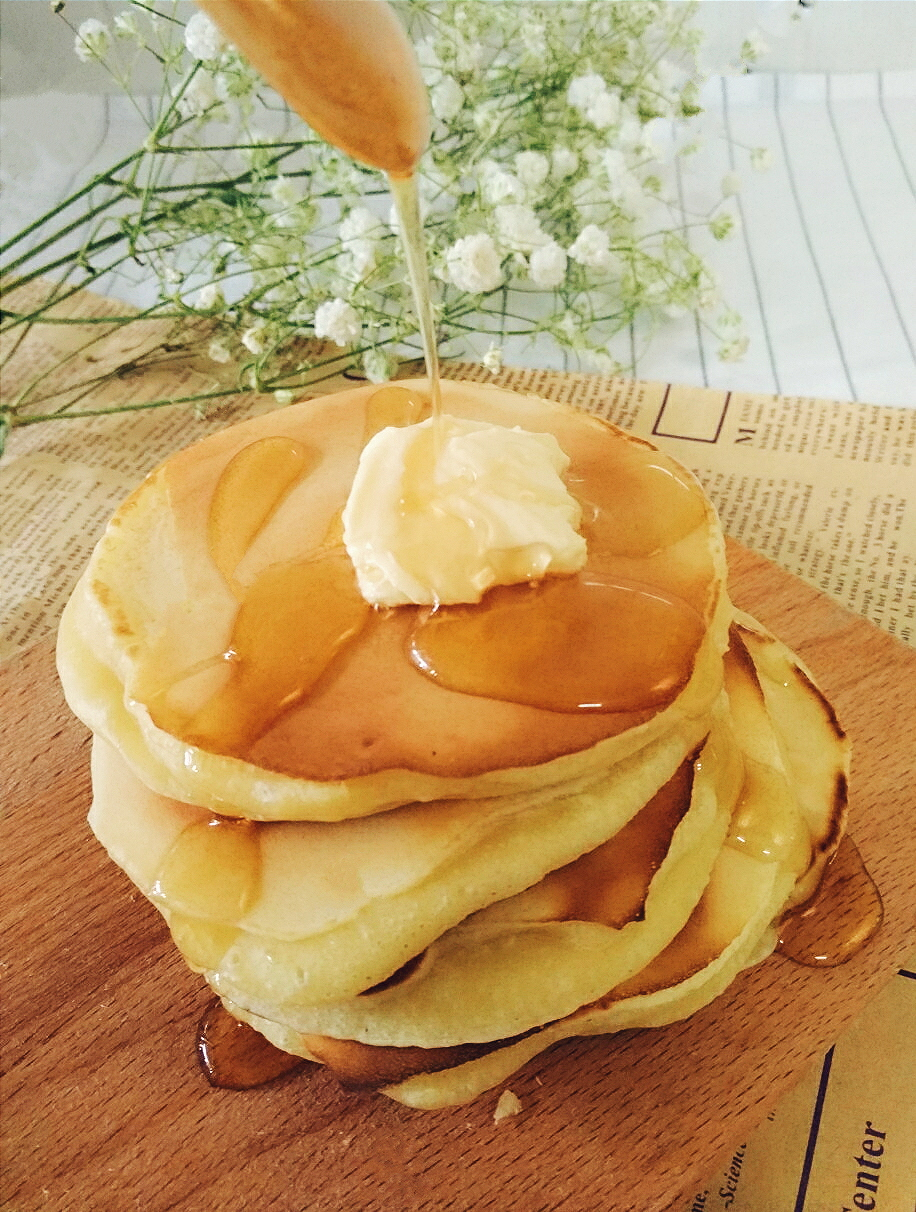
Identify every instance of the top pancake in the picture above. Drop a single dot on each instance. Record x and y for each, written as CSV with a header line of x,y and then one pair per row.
x,y
219,548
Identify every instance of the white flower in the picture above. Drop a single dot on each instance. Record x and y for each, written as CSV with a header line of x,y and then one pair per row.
x,y
731,185
531,168
601,361
203,38
446,98
754,46
604,111
284,396
427,57
493,359
761,159
563,162
361,258
337,321
359,233
591,248
285,192
199,95
473,264
92,40
724,225
584,90
359,223
548,266
593,99
254,338
519,228
376,365
614,163
497,185
125,26
209,297
734,349
630,134
219,352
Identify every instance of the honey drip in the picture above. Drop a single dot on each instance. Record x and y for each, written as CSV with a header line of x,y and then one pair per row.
x,y
393,406
568,644
213,870
407,203
610,883
234,1056
841,917
292,622
250,490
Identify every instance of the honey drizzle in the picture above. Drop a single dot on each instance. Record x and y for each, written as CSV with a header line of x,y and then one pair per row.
x,y
610,883
575,643
251,488
407,204
291,624
233,1056
841,917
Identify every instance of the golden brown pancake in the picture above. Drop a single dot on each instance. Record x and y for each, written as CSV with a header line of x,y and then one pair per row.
x,y
421,844
201,638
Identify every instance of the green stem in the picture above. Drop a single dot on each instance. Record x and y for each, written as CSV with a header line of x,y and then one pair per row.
x,y
104,178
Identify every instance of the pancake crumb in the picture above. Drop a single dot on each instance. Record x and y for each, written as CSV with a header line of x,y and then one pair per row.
x,y
508,1105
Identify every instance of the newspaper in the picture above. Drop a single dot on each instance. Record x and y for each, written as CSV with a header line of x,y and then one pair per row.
x,y
820,487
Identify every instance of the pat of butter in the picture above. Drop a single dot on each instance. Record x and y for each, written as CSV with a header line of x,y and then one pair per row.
x,y
441,517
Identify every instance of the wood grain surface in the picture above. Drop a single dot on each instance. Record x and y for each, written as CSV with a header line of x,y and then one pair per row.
x,y
105,1109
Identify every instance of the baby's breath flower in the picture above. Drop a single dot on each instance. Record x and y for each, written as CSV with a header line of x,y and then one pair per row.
x,y
125,26
498,185
198,97
761,159
285,192
359,223
210,297
377,365
518,227
473,264
554,127
734,349
583,91
255,338
753,47
284,397
591,248
547,266
492,360
92,40
531,168
722,226
446,98
563,162
337,321
203,37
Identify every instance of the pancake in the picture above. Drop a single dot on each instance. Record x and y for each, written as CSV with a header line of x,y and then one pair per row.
x,y
420,844
148,644
757,871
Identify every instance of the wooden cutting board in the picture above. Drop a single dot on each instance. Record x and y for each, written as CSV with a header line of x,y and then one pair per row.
x,y
106,1109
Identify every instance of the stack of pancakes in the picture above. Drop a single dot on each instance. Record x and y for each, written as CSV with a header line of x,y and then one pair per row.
x,y
420,845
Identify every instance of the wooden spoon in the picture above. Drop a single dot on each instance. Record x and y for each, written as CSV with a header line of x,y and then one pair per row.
x,y
345,66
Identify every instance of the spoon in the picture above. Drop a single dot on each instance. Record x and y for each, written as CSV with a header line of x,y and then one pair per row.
x,y
345,66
